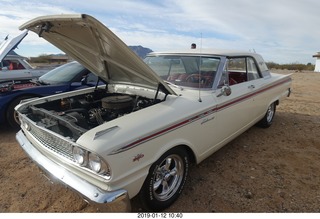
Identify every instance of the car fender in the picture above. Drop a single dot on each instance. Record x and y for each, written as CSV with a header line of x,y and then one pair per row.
x,y
132,181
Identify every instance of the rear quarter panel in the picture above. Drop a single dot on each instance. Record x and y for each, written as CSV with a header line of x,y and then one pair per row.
x,y
270,90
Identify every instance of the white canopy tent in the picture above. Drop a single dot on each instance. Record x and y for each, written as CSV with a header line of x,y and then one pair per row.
x,y
317,66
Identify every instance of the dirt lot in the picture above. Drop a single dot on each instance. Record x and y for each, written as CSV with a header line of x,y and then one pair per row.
x,y
263,170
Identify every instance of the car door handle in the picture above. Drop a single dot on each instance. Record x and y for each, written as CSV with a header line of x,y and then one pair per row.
x,y
251,86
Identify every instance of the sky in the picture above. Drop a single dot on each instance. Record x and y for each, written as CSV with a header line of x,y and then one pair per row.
x,y
282,31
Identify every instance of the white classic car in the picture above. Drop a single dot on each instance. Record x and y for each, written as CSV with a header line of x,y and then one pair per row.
x,y
14,66
138,134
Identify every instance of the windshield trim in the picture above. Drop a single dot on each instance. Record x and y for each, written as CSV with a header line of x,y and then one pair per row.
x,y
186,70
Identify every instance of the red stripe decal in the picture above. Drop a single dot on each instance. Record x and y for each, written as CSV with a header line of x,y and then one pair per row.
x,y
197,117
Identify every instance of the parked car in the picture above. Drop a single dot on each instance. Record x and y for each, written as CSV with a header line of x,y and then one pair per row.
x,y
139,134
68,77
14,66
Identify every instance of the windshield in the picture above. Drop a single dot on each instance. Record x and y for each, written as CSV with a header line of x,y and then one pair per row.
x,y
188,71
63,74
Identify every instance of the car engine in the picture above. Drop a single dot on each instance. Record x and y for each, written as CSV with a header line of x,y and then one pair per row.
x,y
73,116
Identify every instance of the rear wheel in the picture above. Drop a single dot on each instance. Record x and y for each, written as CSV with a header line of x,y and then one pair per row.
x,y
267,120
165,180
12,115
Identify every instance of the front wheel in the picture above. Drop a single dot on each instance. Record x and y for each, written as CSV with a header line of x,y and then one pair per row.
x,y
165,180
266,121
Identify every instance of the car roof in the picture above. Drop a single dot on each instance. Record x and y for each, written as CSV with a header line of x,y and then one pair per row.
x,y
199,52
14,57
218,52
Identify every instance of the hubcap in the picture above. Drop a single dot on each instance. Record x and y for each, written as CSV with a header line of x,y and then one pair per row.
x,y
168,177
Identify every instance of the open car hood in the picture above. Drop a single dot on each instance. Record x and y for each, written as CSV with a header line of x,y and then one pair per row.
x,y
10,44
97,48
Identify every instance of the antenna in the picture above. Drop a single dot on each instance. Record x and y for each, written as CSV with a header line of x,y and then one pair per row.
x,y
200,69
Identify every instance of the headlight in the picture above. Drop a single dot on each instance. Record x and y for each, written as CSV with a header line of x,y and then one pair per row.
x,y
20,118
91,161
24,123
94,162
27,126
80,156
98,165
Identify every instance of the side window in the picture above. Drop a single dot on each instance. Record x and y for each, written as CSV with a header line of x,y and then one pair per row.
x,y
236,70
5,65
252,69
13,65
91,78
237,64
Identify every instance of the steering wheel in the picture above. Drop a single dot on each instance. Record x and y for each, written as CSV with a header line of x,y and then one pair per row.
x,y
194,78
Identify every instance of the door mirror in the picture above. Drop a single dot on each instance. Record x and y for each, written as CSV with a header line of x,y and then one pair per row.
x,y
84,80
225,91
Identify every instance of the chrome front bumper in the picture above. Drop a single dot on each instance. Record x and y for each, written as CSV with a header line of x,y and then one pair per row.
x,y
116,201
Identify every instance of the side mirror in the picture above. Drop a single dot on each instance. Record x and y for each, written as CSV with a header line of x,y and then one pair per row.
x,y
225,91
84,80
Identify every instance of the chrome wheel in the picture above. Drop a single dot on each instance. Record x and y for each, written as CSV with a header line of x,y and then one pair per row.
x,y
266,121
270,113
165,180
168,177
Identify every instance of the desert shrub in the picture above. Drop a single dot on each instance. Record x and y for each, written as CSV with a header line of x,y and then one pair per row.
x,y
292,66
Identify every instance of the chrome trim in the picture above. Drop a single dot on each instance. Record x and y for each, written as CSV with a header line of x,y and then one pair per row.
x,y
104,200
49,139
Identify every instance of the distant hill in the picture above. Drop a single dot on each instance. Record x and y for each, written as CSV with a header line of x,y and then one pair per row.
x,y
140,51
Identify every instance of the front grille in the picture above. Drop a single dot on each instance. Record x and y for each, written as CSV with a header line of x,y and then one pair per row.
x,y
52,142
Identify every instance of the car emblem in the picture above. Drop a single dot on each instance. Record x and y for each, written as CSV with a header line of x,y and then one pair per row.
x,y
137,157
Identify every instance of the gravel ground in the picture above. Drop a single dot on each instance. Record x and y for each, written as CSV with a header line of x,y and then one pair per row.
x,y
263,170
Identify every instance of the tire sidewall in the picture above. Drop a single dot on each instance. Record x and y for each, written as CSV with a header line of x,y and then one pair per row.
x,y
273,105
264,122
10,111
146,194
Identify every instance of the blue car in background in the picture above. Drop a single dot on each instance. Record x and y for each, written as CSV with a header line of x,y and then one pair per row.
x,y
68,77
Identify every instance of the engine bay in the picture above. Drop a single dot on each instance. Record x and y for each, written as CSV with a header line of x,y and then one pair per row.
x,y
73,116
